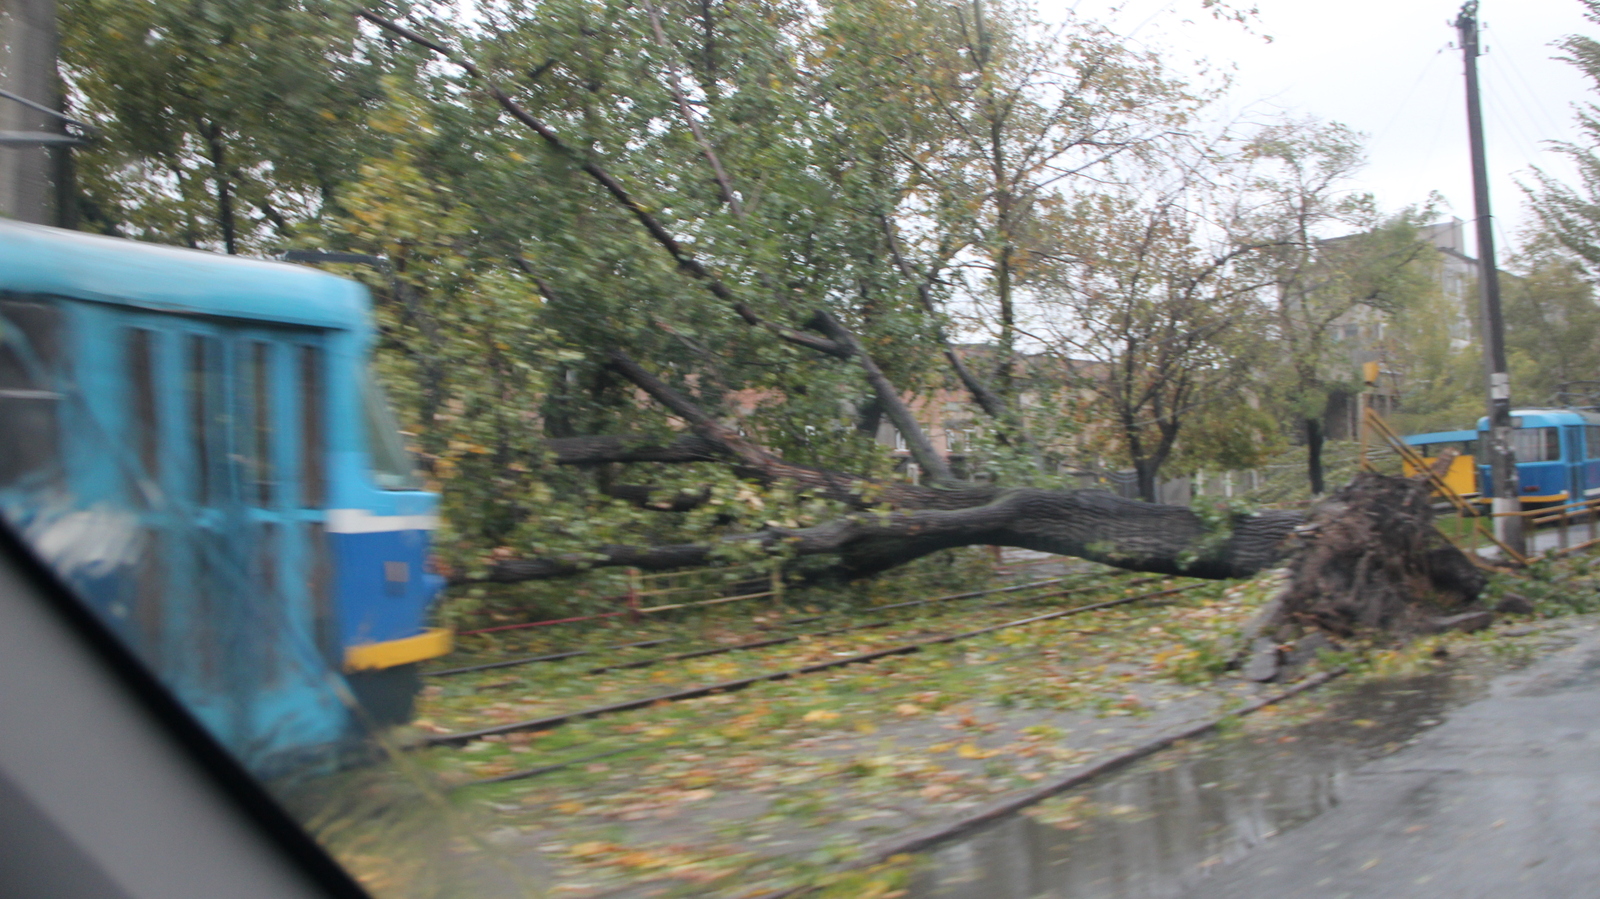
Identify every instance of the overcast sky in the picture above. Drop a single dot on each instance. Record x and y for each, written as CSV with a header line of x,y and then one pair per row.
x,y
1388,69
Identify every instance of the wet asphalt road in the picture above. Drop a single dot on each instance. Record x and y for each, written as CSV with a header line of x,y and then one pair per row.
x,y
1501,800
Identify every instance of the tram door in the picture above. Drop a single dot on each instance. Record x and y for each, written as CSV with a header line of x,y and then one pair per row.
x,y
224,434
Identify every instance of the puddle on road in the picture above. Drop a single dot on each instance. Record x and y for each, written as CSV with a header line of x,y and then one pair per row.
x,y
1157,828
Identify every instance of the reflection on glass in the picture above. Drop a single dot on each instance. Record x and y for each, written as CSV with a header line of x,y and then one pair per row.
x,y
1536,444
29,346
392,466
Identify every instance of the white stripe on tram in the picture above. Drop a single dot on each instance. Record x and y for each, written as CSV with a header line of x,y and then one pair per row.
x,y
360,521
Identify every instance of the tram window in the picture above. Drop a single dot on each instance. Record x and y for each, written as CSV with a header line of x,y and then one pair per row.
x,y
391,463
1536,444
257,440
205,408
29,357
313,439
141,380
1591,437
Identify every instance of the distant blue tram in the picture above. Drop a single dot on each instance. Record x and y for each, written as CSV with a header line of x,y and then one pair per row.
x,y
196,442
1557,450
1558,454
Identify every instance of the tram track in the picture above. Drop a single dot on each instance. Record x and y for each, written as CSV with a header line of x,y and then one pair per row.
x,y
548,722
553,767
795,638
771,641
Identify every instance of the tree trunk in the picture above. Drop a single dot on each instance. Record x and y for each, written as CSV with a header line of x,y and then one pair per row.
x,y
1145,478
1088,524
224,188
1314,440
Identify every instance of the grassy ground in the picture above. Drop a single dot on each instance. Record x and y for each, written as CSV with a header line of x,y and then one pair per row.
x,y
746,793
751,793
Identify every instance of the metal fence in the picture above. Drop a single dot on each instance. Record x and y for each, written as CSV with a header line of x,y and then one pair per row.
x,y
688,588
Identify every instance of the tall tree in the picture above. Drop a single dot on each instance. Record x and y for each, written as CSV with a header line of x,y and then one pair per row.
x,y
1326,253
1553,326
223,123
995,121
1152,310
1570,213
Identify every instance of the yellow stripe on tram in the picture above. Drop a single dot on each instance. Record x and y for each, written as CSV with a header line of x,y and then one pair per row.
x,y
431,643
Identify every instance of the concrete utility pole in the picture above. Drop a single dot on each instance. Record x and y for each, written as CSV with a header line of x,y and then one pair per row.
x,y
28,158
1502,458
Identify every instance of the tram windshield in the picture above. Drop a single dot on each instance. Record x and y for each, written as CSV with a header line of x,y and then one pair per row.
x,y
393,467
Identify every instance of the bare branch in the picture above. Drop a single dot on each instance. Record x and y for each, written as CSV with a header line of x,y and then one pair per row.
x,y
893,406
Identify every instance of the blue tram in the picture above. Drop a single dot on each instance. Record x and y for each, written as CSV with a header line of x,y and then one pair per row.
x,y
196,443
1558,454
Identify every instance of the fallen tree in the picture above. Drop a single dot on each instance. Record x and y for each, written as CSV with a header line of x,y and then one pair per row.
x,y
1372,560
1368,558
883,523
1088,524
895,523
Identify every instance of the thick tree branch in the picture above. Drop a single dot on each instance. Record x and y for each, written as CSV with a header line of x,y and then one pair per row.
x,y
681,406
888,397
686,261
992,404
1087,524
760,464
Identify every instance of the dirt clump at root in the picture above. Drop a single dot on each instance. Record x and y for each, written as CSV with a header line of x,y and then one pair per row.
x,y
1369,563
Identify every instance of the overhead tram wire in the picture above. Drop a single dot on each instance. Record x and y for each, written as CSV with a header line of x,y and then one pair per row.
x,y
1405,100
1510,124
1527,95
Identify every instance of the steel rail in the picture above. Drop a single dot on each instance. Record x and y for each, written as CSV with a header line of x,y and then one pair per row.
x,y
551,657
559,656
552,767
552,721
775,641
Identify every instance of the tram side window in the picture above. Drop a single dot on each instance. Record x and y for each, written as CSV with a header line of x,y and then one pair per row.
x,y
1591,437
30,358
203,364
255,438
313,437
141,380
1536,444
1432,450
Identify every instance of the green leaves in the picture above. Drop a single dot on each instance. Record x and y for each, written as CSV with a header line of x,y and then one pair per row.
x,y
226,124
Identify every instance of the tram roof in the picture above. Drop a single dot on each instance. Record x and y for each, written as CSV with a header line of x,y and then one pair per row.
x,y
1439,437
1547,418
38,259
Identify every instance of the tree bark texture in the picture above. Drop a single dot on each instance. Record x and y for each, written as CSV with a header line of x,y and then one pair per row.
x,y
1088,524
